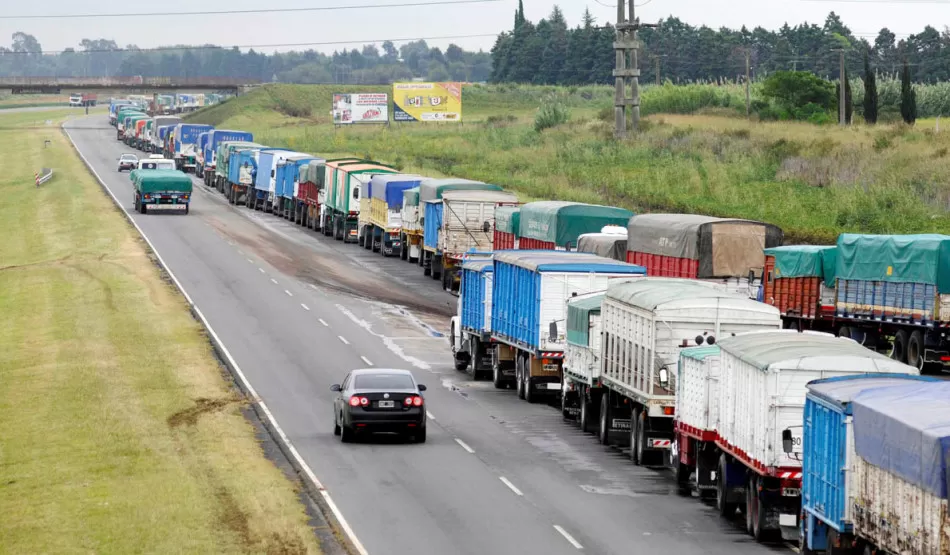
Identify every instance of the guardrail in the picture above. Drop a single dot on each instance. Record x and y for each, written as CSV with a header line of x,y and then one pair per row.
x,y
43,176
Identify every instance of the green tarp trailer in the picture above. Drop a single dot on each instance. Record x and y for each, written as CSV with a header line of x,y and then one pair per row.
x,y
578,318
432,189
799,279
506,227
162,189
805,261
552,224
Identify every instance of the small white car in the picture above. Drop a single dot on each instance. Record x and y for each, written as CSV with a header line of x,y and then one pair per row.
x,y
128,162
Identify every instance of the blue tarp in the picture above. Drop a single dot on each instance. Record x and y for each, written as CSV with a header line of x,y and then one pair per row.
x,y
389,187
906,431
187,134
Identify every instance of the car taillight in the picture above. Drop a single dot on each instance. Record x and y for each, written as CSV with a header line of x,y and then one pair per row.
x,y
356,401
413,401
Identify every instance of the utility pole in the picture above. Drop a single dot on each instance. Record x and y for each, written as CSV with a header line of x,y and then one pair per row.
x,y
657,58
748,95
842,114
626,46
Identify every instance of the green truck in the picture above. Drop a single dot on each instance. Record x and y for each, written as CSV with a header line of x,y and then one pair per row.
x,y
222,157
161,190
121,116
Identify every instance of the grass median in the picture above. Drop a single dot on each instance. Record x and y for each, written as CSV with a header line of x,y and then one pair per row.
x,y
119,432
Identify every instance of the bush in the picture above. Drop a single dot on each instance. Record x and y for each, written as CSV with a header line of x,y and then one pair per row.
x,y
800,94
551,114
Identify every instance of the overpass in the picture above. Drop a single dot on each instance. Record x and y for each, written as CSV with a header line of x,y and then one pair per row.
x,y
54,85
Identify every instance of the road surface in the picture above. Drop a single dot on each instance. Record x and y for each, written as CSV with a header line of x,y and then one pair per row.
x,y
298,310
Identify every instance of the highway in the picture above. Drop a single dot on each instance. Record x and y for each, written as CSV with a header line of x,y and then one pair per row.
x,y
497,475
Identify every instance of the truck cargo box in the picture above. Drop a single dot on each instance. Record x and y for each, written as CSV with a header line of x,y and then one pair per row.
x,y
894,277
611,242
763,386
800,279
266,178
902,442
387,196
312,181
828,451
646,322
507,219
410,211
699,247
162,181
583,345
697,392
554,224
346,185
475,295
530,289
243,167
186,137
286,178
218,136
457,222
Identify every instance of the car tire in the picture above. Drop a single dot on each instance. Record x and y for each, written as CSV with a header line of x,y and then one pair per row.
x,y
420,436
336,427
347,435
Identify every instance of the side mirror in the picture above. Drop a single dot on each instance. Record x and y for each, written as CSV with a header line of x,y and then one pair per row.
x,y
751,276
486,226
422,387
336,387
787,441
664,376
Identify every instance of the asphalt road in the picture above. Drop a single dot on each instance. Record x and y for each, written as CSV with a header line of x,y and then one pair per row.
x,y
497,475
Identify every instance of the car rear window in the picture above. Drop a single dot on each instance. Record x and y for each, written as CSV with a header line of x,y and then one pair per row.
x,y
383,381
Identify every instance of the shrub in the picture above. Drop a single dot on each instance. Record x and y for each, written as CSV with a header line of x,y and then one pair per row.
x,y
551,114
799,93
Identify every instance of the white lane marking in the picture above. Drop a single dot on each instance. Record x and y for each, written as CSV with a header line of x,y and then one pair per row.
x,y
274,281
366,360
568,537
249,260
322,321
305,307
231,243
261,269
430,415
511,486
387,341
343,339
350,534
464,446
240,252
289,294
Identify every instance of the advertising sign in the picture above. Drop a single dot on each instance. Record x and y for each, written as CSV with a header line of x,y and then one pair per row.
x,y
360,108
427,102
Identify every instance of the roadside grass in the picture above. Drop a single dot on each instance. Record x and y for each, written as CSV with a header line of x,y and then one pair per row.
x,y
121,434
32,100
813,181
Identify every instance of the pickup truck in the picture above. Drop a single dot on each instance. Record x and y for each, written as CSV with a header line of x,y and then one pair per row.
x,y
161,190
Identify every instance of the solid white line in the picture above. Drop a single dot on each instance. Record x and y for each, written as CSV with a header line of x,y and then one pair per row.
x,y
510,485
343,339
261,269
464,445
324,322
274,281
350,534
366,360
568,537
305,307
289,294
430,415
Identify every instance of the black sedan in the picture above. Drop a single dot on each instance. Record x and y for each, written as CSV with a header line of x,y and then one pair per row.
x,y
379,400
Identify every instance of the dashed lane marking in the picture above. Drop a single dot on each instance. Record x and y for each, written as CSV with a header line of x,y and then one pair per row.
x,y
464,446
511,486
305,307
568,537
343,339
366,360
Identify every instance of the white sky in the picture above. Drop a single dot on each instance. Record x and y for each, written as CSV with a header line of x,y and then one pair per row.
x,y
420,22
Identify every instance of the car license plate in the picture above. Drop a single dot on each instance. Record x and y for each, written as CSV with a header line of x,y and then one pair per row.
x,y
550,367
386,404
791,492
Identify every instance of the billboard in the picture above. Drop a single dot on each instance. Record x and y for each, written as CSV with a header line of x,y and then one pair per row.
x,y
427,102
360,108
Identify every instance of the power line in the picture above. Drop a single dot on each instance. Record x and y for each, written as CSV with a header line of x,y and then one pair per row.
x,y
256,11
285,45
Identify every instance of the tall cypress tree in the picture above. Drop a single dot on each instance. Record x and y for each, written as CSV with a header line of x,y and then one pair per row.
x,y
908,97
870,92
848,103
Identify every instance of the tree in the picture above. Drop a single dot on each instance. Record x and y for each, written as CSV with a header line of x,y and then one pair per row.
x,y
870,92
908,97
795,89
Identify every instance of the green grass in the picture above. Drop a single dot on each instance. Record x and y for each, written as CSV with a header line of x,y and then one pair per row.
x,y
813,181
120,432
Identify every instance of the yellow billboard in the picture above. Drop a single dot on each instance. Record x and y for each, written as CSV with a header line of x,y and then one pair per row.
x,y
427,102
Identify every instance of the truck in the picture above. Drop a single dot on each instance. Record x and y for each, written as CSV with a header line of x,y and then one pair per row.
x,y
137,140
200,154
507,219
123,119
162,135
83,100
311,193
843,512
216,136
265,181
722,250
470,334
611,242
155,143
242,170
762,389
386,211
186,139
529,294
460,221
347,184
288,184
223,157
114,105
411,235
892,294
132,127
161,190
556,225
582,352
644,325
799,280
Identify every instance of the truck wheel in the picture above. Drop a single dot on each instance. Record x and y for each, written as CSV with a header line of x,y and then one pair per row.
x,y
519,377
636,447
682,476
187,208
496,377
915,350
403,252
725,507
587,408
603,432
435,269
565,408
530,395
144,208
760,512
899,347
751,506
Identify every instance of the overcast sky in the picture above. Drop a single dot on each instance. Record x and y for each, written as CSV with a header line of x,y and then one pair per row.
x,y
418,22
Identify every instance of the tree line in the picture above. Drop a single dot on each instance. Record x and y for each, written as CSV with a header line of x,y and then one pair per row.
x,y
548,52
368,65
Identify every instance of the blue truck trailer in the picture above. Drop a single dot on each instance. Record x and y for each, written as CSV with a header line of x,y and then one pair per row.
x,y
200,153
242,170
471,326
186,140
265,181
827,523
215,137
530,290
286,183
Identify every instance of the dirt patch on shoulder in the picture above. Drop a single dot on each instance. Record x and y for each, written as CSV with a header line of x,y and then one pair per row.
x,y
190,416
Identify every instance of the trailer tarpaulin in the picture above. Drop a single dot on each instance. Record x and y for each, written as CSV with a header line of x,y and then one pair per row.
x,y
805,261
561,222
578,318
507,218
608,245
723,247
895,258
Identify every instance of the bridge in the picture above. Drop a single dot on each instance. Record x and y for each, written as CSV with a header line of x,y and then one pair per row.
x,y
54,85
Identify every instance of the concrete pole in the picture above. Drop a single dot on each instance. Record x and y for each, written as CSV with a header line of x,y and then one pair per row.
x,y
842,115
748,93
620,116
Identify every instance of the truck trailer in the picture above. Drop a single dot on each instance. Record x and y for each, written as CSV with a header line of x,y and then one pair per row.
x,y
411,235
186,139
155,142
582,355
312,193
829,489
557,225
215,137
161,190
288,184
265,180
610,242
347,181
386,211
529,294
470,334
507,219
